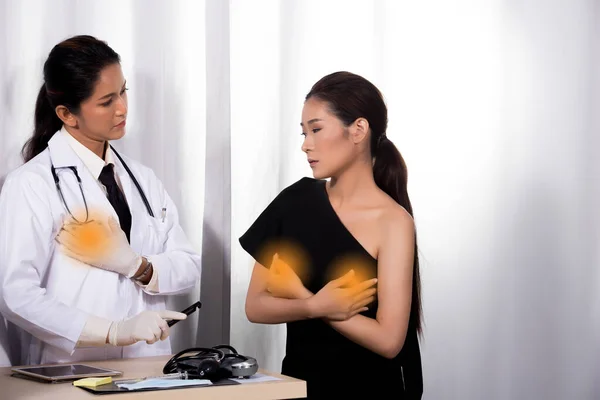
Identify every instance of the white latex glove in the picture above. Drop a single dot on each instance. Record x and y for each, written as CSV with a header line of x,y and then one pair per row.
x,y
100,245
149,326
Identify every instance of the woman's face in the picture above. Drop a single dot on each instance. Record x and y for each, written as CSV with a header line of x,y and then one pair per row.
x,y
327,142
102,116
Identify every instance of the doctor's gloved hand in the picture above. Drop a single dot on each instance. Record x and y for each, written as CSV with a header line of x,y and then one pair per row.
x,y
149,326
100,245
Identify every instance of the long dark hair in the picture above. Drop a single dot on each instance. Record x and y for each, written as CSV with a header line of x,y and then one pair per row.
x,y
349,97
70,73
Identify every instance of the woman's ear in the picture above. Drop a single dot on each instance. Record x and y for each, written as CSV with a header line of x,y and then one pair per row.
x,y
66,116
359,130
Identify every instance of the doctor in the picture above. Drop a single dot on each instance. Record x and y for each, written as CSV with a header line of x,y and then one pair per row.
x,y
66,304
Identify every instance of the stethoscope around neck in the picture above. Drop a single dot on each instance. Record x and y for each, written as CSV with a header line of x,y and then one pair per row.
x,y
74,170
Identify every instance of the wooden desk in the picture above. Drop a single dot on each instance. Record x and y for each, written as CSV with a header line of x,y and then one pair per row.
x,y
20,389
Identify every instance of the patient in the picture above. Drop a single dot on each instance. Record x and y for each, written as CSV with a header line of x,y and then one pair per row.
x,y
337,259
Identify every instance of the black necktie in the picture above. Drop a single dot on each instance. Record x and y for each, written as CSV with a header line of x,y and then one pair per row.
x,y
116,198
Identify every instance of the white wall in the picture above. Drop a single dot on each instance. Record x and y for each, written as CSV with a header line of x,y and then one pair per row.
x,y
493,106
492,103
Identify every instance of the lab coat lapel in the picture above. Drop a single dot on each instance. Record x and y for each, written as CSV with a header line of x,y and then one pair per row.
x,y
62,155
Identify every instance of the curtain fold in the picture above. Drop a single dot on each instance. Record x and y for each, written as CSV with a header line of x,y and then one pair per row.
x,y
492,104
162,49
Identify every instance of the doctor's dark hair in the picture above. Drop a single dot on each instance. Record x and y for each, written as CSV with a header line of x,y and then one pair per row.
x,y
72,69
349,97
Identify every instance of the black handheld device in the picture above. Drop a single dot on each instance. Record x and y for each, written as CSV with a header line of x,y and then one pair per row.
x,y
187,311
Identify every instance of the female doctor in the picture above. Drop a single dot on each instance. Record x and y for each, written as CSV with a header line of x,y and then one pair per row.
x,y
68,304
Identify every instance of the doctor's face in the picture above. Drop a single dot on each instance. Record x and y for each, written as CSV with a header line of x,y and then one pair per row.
x,y
102,116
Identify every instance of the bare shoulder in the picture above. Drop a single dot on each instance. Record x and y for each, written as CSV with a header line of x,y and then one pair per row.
x,y
395,220
396,237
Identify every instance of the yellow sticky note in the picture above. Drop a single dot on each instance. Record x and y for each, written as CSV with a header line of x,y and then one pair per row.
x,y
93,382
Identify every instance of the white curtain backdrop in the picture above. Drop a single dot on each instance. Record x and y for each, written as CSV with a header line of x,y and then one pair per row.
x,y
492,103
162,47
494,107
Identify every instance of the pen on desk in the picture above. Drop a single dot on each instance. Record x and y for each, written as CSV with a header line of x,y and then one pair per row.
x,y
176,375
164,213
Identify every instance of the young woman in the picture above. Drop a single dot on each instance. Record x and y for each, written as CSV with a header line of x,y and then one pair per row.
x,y
67,303
321,237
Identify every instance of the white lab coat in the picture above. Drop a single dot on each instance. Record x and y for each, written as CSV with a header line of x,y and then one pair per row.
x,y
46,296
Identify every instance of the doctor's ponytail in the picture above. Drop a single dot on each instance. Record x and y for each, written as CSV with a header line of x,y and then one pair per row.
x,y
70,74
46,124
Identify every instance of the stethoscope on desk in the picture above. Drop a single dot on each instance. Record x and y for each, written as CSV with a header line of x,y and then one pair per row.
x,y
215,363
74,170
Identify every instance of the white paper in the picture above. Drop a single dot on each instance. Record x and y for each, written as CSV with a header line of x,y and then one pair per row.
x,y
164,383
257,378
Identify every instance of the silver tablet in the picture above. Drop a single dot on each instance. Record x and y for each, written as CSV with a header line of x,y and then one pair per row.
x,y
64,372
